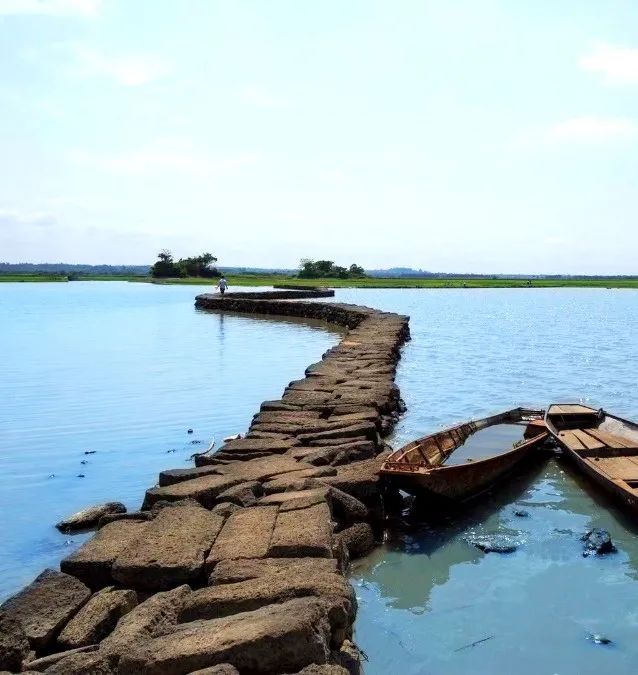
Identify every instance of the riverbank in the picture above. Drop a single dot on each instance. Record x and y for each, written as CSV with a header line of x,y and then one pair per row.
x,y
367,282
244,555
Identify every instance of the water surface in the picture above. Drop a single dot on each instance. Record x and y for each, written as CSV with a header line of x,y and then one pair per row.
x,y
125,369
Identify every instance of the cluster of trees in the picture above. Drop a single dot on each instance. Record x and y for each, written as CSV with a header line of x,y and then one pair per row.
x,y
198,266
319,269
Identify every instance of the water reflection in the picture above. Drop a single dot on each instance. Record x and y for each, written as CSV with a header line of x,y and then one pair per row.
x,y
434,593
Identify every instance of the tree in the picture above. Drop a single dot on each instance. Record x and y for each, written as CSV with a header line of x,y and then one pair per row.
x,y
199,266
322,269
356,271
165,266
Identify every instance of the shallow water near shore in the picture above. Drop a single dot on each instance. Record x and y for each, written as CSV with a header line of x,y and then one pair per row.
x,y
125,369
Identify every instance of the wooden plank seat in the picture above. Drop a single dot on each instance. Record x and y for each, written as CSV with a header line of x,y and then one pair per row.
x,y
623,468
611,440
571,440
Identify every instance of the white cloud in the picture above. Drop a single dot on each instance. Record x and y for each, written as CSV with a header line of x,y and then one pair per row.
x,y
162,156
618,65
579,130
592,128
129,71
11,220
51,7
259,97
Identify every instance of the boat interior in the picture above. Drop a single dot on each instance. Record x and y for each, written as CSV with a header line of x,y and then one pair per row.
x,y
432,451
608,443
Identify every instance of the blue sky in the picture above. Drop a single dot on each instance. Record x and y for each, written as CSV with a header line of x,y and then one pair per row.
x,y
476,136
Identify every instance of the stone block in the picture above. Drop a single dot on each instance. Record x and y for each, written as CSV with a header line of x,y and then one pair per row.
x,y
233,571
172,551
150,618
45,606
97,618
276,639
299,533
246,534
14,645
89,517
204,490
93,561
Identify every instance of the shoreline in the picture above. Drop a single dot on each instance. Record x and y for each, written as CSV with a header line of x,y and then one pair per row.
x,y
275,280
243,547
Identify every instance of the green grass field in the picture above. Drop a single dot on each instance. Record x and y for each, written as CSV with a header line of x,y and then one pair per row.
x,y
368,282
376,282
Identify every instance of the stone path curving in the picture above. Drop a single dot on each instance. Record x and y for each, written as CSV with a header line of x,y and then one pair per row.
x,y
238,563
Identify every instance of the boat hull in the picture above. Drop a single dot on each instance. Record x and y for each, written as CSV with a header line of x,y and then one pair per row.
x,y
458,483
600,445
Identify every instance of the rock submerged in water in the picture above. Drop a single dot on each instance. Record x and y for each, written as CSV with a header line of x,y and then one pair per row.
x,y
521,513
90,516
597,542
494,543
599,639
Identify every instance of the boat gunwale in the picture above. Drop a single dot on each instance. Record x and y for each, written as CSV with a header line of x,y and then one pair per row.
x,y
393,467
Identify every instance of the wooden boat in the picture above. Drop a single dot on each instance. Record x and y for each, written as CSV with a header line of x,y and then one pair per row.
x,y
419,468
603,446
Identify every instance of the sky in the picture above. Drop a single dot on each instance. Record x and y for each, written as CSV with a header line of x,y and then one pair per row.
x,y
453,136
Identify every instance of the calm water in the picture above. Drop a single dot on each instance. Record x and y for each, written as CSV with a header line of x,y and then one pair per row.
x,y
125,369
484,443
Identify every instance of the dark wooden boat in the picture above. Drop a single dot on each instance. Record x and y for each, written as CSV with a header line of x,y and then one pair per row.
x,y
603,446
419,468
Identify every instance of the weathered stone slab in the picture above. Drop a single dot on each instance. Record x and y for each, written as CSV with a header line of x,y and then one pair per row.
x,y
366,414
44,663
281,483
302,533
303,398
172,551
172,476
346,508
92,663
225,509
246,534
233,571
275,639
150,618
204,490
286,417
97,618
268,406
296,499
245,596
365,429
281,430
244,494
112,517
265,434
324,442
89,517
360,479
263,469
93,561
358,538
325,455
14,645
323,669
44,606
222,669
270,445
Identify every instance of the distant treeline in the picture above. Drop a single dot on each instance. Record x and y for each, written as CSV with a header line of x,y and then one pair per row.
x,y
69,268
197,266
326,269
